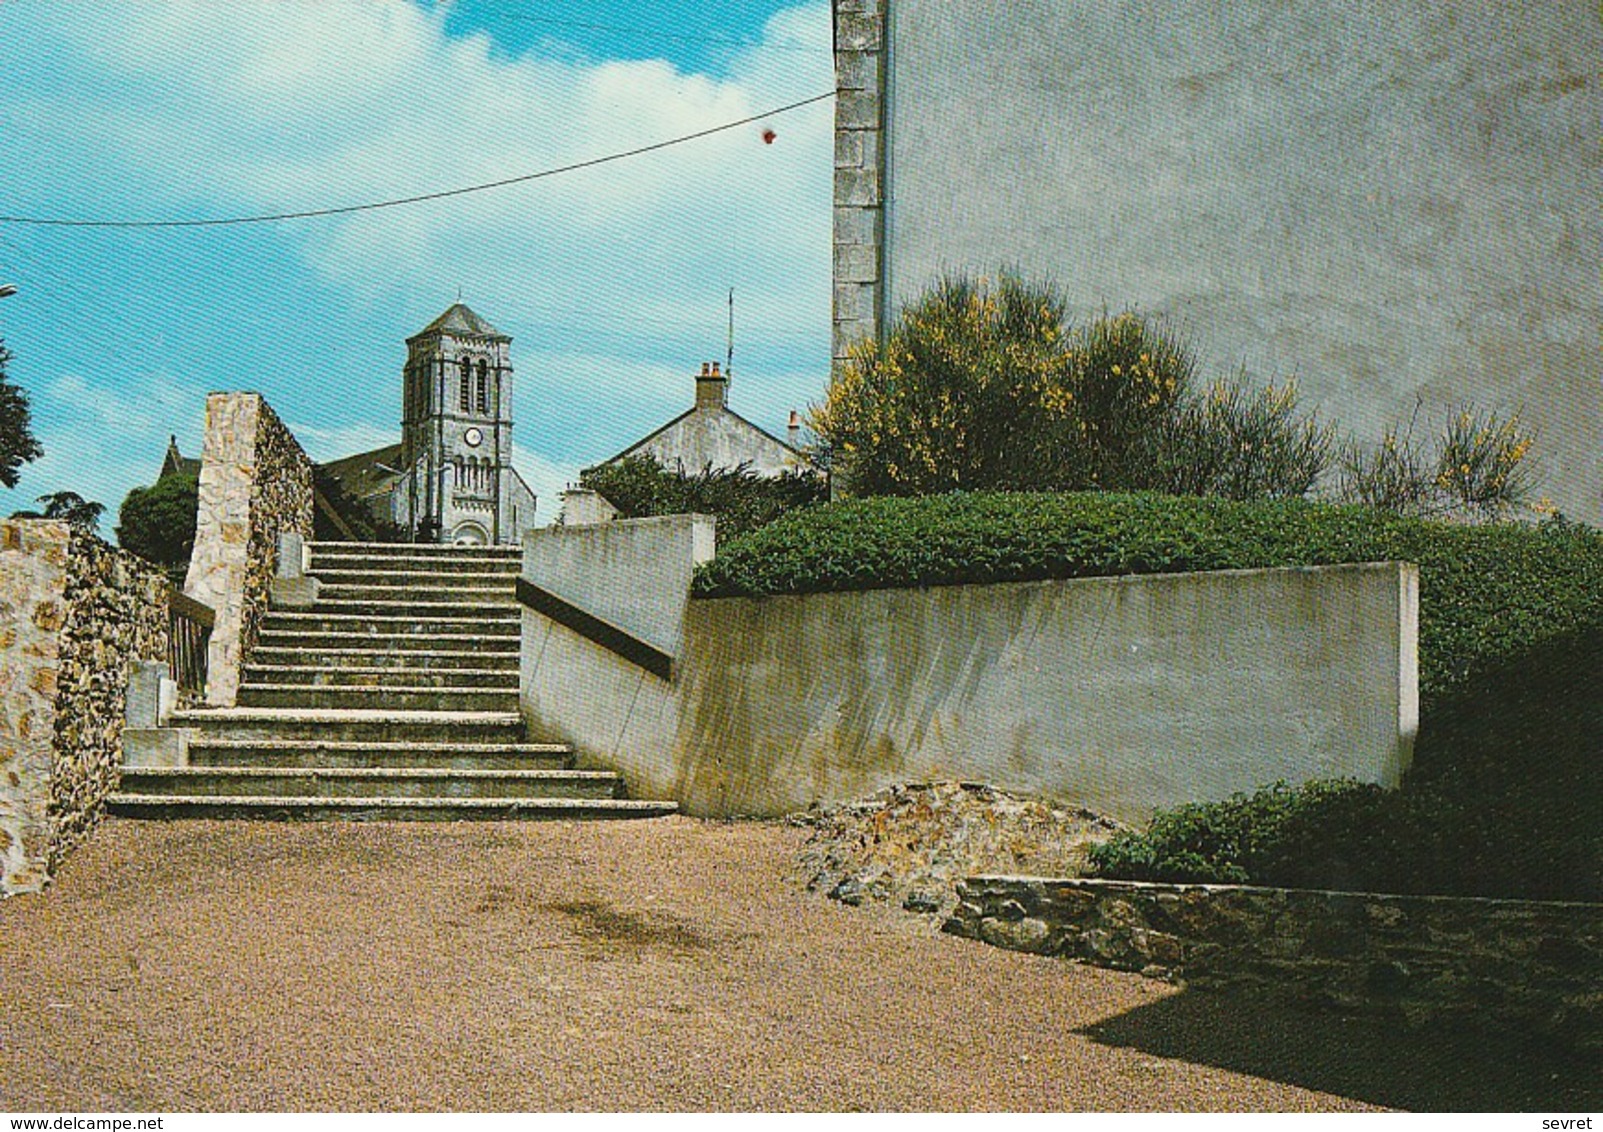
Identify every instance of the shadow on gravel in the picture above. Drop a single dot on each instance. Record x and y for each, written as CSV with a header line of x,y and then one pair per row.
x,y
600,922
1424,1070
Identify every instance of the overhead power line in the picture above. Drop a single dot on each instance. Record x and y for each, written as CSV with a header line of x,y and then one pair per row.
x,y
306,214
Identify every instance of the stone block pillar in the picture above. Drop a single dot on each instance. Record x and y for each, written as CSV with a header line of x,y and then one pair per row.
x,y
255,484
859,239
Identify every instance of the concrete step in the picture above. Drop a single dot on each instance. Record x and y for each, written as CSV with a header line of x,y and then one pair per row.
x,y
354,725
375,573
369,782
416,549
442,590
387,610
454,560
504,623
313,675
409,660
381,808
348,639
391,698
313,754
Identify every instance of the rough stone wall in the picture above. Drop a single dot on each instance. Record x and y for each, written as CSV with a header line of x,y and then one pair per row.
x,y
33,583
74,614
255,481
859,172
1412,959
116,613
281,503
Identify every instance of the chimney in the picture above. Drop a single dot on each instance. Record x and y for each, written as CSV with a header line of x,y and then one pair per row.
x,y
712,387
793,429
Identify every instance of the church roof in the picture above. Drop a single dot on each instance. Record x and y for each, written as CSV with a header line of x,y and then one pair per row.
x,y
459,319
176,463
367,473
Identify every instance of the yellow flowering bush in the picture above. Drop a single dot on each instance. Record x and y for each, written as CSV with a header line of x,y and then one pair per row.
x,y
983,385
1478,469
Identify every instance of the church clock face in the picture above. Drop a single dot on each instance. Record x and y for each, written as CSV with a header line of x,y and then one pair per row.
x,y
473,437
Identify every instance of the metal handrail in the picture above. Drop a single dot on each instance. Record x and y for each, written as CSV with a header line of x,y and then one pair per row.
x,y
189,630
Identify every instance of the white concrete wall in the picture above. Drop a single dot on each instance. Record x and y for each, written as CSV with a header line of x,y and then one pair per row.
x,y
1389,199
633,573
581,507
1123,694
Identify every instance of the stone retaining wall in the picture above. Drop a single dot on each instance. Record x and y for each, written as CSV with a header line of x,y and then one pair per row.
x,y
255,484
33,585
116,613
1121,694
74,614
1414,959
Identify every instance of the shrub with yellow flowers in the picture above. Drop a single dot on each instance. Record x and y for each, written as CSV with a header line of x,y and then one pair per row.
x,y
1478,468
985,385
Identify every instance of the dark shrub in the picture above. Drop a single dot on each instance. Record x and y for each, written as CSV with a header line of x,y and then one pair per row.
x,y
158,522
743,501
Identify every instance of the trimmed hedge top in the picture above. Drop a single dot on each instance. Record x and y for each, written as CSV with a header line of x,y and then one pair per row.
x,y
1487,593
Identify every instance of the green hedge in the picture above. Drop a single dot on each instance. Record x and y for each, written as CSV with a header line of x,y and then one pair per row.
x,y
1487,593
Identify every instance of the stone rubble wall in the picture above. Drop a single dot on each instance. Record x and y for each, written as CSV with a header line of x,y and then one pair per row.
x,y
33,585
255,483
281,503
1409,959
75,614
116,613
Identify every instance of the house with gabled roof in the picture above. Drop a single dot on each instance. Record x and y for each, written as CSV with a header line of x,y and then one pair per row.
x,y
711,434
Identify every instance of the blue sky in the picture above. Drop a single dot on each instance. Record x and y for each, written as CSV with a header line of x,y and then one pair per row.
x,y
612,281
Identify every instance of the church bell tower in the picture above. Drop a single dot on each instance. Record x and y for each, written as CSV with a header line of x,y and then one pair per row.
x,y
456,434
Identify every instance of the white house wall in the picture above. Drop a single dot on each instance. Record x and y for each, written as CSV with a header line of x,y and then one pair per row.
x,y
721,439
1388,199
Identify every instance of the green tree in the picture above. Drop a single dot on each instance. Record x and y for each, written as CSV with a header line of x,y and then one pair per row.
x,y
986,386
158,522
17,443
74,508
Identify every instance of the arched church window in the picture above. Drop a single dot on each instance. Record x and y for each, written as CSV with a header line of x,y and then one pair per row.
x,y
484,386
467,381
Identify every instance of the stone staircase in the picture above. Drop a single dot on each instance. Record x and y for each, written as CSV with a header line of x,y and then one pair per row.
x,y
394,697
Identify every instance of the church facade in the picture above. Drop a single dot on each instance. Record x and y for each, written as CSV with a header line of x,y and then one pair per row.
x,y
451,478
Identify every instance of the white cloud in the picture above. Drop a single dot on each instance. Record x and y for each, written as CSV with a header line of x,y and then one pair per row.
x,y
330,442
308,105
100,441
546,478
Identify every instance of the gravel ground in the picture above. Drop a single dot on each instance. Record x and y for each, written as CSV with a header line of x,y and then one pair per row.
x,y
667,964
